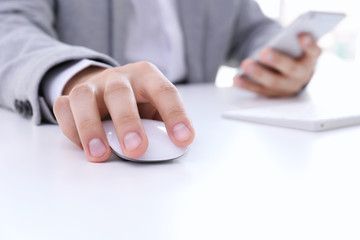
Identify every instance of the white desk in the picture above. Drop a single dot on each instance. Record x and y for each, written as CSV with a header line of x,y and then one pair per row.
x,y
238,181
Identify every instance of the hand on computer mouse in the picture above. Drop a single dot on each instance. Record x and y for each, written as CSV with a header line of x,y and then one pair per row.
x,y
127,94
160,147
287,75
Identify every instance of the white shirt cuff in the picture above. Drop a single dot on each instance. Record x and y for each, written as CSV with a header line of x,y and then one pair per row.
x,y
55,82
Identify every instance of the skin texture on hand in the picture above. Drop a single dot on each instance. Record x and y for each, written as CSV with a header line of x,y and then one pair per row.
x,y
284,76
126,94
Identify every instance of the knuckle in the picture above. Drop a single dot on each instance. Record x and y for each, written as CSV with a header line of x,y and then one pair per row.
x,y
177,112
126,119
174,113
146,66
82,89
87,125
166,88
118,86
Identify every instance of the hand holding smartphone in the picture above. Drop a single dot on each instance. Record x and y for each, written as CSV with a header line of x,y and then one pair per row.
x,y
315,23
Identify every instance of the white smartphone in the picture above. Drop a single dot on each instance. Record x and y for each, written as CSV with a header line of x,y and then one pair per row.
x,y
315,23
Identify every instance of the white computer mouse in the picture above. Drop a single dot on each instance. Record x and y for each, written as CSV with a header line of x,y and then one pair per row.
x,y
160,147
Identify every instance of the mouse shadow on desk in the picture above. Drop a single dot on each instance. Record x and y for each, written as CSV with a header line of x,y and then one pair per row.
x,y
114,158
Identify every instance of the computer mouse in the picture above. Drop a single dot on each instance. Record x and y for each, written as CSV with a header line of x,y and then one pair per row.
x,y
160,147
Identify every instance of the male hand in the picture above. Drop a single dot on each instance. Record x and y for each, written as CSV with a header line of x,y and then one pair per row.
x,y
127,94
287,75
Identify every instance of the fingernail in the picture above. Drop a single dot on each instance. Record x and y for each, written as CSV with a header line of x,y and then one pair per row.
x,y
181,132
97,147
132,140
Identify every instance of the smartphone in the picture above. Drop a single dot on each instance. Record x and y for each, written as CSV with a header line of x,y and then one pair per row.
x,y
315,23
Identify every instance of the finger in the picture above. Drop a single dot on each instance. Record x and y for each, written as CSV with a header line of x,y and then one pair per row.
x,y
66,120
126,119
88,122
311,54
168,102
250,86
269,79
311,50
256,88
284,64
166,99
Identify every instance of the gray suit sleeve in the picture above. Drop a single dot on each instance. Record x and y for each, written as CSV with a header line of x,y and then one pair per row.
x,y
28,50
252,30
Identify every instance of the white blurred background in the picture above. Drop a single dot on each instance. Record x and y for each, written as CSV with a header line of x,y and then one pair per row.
x,y
343,42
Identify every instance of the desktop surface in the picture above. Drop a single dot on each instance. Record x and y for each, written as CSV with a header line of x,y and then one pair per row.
x,y
238,180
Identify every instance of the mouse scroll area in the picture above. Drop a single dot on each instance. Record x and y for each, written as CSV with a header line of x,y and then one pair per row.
x,y
160,147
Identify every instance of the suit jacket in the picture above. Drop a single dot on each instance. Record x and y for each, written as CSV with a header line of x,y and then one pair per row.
x,y
39,35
